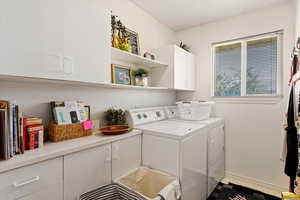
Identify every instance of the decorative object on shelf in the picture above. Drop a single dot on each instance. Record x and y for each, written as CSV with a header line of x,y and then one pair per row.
x,y
114,129
124,38
149,55
115,117
120,36
114,31
134,42
185,47
121,74
140,77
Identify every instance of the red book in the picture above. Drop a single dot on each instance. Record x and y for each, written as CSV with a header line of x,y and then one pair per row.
x,y
33,135
29,122
24,134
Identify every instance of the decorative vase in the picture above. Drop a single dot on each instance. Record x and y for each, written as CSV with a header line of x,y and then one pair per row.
x,y
141,81
115,40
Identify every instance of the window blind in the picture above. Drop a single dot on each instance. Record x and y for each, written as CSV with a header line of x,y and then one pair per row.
x,y
228,70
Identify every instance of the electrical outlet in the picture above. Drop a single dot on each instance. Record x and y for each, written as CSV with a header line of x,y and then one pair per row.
x,y
96,124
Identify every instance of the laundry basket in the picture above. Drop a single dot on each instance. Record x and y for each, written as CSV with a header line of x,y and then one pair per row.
x,y
194,110
151,184
112,191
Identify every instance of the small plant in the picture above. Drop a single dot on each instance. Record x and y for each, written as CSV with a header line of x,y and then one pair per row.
x,y
140,73
115,117
184,46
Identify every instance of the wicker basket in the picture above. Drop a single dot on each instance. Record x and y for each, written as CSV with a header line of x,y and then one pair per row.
x,y
66,132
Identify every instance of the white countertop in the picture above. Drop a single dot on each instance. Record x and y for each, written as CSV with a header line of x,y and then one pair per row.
x,y
53,150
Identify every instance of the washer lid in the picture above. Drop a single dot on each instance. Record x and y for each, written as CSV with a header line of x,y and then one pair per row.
x,y
170,128
212,122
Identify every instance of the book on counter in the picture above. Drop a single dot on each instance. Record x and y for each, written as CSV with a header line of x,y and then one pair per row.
x,y
68,112
16,131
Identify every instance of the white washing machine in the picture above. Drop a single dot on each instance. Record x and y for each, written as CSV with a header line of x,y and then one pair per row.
x,y
175,147
215,146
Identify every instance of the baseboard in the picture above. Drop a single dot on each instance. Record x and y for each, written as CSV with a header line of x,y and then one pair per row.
x,y
255,184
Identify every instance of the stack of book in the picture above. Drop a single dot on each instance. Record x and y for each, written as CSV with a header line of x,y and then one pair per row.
x,y
18,134
34,133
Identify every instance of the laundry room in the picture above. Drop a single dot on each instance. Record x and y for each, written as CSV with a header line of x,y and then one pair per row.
x,y
137,99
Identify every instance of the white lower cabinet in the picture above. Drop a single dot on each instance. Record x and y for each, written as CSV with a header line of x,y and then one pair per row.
x,y
86,170
126,155
39,181
216,157
69,176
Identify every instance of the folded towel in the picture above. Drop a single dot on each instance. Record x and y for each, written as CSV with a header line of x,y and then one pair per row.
x,y
171,191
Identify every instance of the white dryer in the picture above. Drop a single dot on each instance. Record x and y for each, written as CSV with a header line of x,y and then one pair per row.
x,y
215,146
176,147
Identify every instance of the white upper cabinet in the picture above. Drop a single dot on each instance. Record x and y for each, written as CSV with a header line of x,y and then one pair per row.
x,y
181,71
67,40
31,38
87,41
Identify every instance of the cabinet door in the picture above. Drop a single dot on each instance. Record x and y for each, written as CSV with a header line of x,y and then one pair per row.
x,y
180,68
39,181
31,38
126,155
86,41
216,157
86,170
191,72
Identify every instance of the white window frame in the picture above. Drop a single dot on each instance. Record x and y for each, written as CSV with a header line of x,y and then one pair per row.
x,y
265,98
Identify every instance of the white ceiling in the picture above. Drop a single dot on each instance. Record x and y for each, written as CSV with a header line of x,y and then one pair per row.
x,y
181,14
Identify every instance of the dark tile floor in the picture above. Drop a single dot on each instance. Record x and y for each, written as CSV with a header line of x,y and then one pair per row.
x,y
235,192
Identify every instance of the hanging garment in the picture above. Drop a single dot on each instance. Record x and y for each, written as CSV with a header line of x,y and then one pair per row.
x,y
294,67
292,159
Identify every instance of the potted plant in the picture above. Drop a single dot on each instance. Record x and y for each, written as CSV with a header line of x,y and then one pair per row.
x,y
115,117
140,77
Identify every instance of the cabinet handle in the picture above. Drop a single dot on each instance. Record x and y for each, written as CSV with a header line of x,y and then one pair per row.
x,y
67,58
108,154
34,179
60,58
115,155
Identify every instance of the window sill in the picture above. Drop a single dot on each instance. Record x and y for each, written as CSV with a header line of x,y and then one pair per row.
x,y
248,100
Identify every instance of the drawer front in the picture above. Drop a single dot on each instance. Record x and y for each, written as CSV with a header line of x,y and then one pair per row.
x,y
43,180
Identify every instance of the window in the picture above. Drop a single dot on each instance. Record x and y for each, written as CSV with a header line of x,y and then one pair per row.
x,y
248,67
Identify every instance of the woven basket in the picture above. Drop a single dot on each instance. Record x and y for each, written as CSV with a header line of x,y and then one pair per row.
x,y
66,132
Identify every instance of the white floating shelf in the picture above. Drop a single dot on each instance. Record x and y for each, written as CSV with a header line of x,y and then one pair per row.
x,y
119,55
79,83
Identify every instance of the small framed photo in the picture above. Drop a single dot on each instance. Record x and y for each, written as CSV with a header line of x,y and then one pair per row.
x,y
121,74
134,41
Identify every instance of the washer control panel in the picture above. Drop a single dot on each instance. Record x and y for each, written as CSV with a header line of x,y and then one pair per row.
x,y
147,115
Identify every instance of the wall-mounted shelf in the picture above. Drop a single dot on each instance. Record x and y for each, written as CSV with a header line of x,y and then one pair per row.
x,y
79,83
123,56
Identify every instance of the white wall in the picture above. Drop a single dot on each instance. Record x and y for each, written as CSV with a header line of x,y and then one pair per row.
x,y
297,2
34,97
253,131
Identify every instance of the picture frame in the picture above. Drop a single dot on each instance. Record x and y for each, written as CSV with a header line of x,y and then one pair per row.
x,y
121,74
134,41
